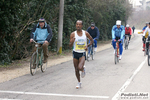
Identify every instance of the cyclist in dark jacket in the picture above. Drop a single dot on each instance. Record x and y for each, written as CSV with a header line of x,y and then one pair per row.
x,y
94,32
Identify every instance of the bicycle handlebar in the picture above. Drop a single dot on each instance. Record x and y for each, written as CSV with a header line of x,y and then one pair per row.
x,y
34,41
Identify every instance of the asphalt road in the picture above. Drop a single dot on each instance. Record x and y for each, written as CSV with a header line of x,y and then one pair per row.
x,y
103,81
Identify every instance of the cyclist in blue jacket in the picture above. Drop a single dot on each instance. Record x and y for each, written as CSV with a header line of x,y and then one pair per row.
x,y
118,32
94,32
42,33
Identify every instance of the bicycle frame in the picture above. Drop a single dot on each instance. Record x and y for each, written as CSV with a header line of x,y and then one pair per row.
x,y
117,47
39,58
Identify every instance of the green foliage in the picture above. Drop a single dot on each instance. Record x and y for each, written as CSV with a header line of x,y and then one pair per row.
x,y
19,17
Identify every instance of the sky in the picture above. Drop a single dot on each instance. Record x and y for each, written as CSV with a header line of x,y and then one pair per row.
x,y
136,2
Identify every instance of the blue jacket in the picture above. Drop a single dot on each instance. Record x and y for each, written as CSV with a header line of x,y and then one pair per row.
x,y
94,33
118,32
40,35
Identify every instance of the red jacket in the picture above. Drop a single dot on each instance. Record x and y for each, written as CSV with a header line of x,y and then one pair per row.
x,y
128,31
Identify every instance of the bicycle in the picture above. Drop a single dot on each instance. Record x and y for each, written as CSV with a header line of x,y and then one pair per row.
x,y
37,60
116,58
126,42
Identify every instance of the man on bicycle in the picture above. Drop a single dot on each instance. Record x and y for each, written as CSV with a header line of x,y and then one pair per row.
x,y
78,39
94,32
147,30
42,33
144,38
118,32
128,31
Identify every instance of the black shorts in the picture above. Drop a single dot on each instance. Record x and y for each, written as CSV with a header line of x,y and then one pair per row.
x,y
77,55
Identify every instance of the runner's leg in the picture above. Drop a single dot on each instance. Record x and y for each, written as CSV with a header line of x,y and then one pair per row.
x,y
81,63
76,63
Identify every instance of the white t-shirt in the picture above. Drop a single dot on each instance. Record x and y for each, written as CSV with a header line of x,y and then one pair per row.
x,y
80,42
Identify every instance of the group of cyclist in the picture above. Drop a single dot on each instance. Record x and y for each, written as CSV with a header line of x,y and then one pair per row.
x,y
42,33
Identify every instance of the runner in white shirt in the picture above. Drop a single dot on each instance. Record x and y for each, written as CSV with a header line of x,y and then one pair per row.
x,y
147,30
78,39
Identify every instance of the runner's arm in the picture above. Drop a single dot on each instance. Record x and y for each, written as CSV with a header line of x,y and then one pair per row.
x,y
72,39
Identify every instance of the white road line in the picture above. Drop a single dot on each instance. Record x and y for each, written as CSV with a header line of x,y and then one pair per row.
x,y
53,94
8,99
126,84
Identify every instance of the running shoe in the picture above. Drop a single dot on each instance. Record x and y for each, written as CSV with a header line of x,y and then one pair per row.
x,y
78,85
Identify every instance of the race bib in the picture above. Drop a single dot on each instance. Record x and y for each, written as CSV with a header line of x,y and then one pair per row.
x,y
80,46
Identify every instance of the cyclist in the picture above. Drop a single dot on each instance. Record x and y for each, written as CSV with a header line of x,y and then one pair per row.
x,y
42,33
147,30
94,32
128,31
144,38
118,32
78,39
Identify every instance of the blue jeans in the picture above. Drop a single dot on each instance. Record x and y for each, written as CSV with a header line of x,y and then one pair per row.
x,y
95,45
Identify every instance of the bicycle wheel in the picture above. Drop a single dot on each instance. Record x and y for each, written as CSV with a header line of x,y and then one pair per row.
x,y
126,45
118,58
43,65
33,64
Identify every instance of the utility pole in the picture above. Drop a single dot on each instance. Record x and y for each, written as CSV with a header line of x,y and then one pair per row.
x,y
60,27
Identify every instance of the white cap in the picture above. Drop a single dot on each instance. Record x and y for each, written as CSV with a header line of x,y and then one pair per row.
x,y
127,25
118,22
